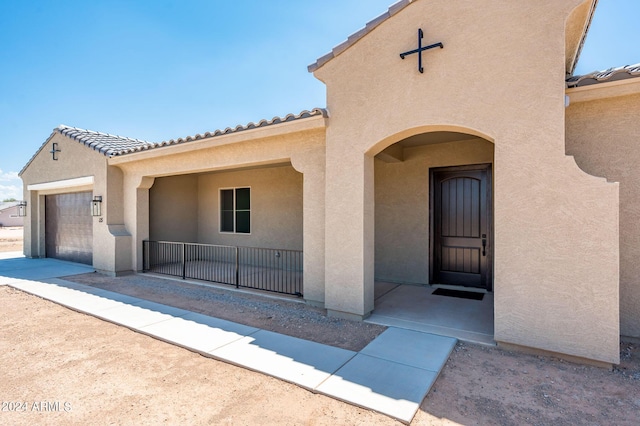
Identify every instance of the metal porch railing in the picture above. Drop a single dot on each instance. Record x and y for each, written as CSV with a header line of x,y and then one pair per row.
x,y
266,269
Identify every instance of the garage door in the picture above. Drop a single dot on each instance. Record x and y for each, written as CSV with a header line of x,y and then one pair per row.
x,y
69,227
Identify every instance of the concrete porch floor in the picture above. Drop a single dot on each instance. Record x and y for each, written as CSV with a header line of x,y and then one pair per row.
x,y
416,308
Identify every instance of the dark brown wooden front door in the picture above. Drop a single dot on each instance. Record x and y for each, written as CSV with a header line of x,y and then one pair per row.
x,y
461,226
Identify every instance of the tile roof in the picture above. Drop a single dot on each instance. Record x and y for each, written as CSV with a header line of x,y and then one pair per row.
x,y
612,74
105,143
114,145
239,128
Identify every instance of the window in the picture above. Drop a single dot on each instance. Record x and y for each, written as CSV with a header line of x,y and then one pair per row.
x,y
235,210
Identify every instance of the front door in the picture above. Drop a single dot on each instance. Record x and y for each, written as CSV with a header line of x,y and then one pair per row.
x,y
461,226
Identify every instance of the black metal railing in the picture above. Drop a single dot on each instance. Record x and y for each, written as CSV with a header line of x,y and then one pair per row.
x,y
266,269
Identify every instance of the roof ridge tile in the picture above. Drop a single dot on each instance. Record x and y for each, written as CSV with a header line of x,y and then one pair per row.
x,y
602,76
115,145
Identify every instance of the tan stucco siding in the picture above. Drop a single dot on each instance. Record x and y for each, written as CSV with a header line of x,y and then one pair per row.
x,y
554,262
402,206
186,208
299,144
276,208
173,209
604,137
111,240
73,161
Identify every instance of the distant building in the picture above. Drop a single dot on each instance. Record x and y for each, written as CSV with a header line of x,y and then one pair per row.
x,y
9,215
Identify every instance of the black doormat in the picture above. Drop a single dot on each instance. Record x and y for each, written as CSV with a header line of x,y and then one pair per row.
x,y
460,294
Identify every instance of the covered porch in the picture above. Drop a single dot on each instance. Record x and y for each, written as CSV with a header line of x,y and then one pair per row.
x,y
238,227
237,206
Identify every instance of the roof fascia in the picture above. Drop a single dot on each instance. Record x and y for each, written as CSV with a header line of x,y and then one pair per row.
x,y
576,57
610,89
307,125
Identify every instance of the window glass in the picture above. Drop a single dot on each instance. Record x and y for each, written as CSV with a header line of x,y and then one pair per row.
x,y
226,210
235,210
226,221
243,201
226,199
243,222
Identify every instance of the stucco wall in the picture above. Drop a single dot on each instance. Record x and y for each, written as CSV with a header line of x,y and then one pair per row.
x,y
74,161
276,208
402,206
111,253
556,228
297,143
173,209
186,208
604,136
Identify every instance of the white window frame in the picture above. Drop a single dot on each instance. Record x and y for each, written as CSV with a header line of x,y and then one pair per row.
x,y
234,232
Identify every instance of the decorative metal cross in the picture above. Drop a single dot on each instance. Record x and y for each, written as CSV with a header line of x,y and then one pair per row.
x,y
420,49
54,151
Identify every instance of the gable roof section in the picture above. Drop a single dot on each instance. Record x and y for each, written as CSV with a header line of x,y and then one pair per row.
x,y
114,145
353,38
611,74
573,51
8,205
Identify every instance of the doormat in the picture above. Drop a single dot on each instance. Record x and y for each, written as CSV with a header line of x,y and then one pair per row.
x,y
472,295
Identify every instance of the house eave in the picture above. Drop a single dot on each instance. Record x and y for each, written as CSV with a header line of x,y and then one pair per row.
x,y
310,124
604,90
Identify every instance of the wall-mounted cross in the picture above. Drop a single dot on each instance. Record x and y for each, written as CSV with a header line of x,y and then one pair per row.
x,y
420,49
54,151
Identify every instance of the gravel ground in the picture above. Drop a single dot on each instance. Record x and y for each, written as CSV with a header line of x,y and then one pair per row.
x,y
282,315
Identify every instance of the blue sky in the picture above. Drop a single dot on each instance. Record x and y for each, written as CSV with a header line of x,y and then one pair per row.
x,y
162,69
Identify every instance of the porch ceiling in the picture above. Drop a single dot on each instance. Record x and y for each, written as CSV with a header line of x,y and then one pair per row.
x,y
436,138
395,152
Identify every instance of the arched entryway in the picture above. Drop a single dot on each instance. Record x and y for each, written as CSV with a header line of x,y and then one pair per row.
x,y
433,234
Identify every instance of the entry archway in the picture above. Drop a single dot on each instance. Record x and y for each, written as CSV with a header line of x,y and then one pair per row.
x,y
404,202
424,183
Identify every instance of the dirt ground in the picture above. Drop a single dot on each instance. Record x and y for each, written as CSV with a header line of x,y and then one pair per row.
x,y
62,367
11,239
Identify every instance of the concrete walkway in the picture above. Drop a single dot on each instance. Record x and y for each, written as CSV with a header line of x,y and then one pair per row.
x,y
416,308
391,375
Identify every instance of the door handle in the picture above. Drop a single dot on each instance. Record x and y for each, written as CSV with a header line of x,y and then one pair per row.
x,y
484,244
